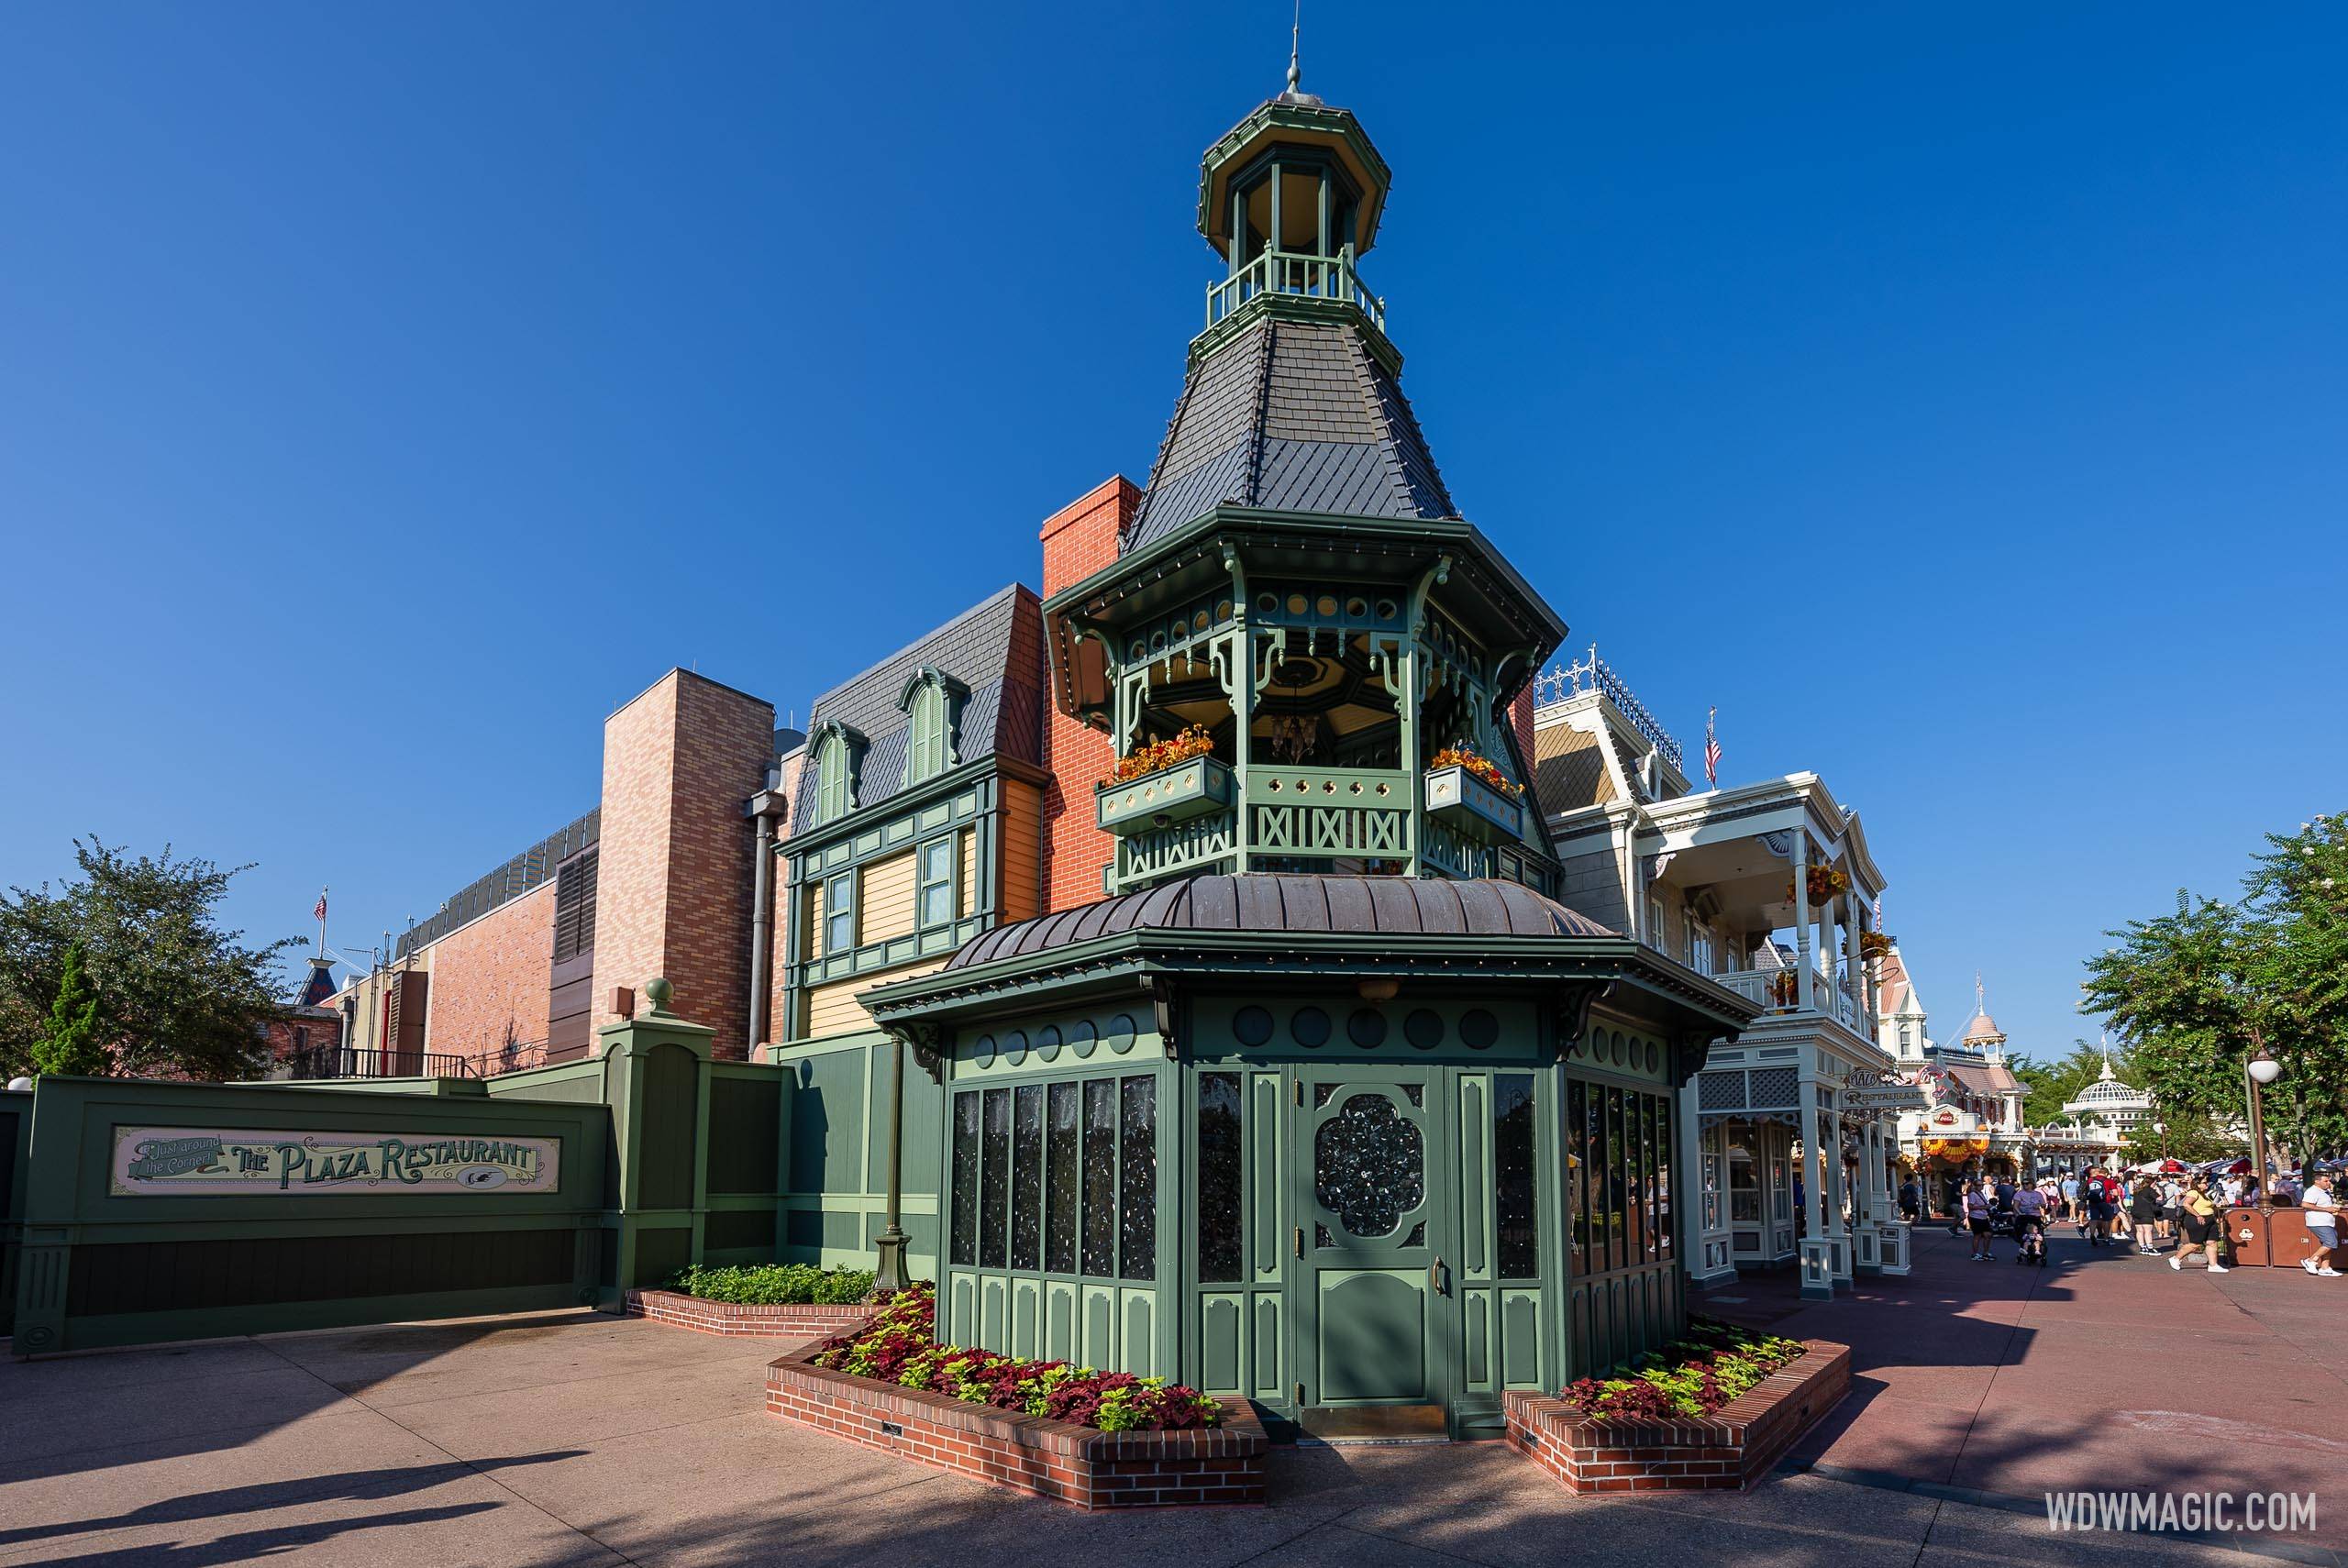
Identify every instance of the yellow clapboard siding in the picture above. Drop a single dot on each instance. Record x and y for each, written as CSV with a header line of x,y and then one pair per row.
x,y
1023,850
834,1010
966,887
886,890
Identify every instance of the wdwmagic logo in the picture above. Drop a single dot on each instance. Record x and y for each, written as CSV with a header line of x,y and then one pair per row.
x,y
2191,1513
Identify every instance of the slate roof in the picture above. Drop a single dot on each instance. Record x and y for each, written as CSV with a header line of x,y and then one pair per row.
x,y
1294,416
1257,901
995,649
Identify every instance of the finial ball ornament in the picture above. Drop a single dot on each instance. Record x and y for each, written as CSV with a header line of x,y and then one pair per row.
x,y
658,991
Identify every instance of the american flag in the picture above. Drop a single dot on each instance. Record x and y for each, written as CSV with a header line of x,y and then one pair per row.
x,y
320,912
1711,749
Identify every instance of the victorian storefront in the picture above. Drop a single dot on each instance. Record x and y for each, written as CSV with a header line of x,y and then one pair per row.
x,y
1329,1102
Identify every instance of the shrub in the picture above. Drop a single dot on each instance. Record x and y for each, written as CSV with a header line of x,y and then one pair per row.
x,y
1695,1376
772,1284
899,1346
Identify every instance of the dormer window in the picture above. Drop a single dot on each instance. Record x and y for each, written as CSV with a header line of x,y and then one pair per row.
x,y
839,754
932,700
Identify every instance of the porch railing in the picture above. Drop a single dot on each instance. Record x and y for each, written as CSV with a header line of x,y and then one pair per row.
x,y
1832,997
1290,272
334,1062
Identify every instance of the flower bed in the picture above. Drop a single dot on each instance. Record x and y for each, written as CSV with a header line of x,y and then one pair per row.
x,y
1591,1442
774,1285
899,1346
791,1301
969,1412
1716,1364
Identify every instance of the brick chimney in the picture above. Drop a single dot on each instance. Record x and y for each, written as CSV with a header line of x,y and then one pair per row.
x,y
1079,540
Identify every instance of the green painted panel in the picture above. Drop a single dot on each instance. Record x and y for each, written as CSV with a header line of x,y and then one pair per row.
x,y
1138,1354
663,1139
1476,1312
1059,1321
1026,1315
993,1309
736,1229
659,1253
1099,1309
745,1131
1373,1336
826,1109
1520,1339
1269,1350
1222,1333
962,1310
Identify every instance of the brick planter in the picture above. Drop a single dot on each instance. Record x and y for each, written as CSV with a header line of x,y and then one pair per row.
x,y
804,1322
1726,1451
1046,1459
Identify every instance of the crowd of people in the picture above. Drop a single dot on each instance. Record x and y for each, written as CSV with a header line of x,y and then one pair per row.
x,y
2176,1214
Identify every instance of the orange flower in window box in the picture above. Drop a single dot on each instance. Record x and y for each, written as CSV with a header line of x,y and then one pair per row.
x,y
1483,769
1159,756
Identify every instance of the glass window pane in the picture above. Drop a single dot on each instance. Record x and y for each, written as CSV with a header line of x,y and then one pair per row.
x,y
1610,1166
1100,1178
1519,1247
1061,1182
1663,1162
994,1188
1219,1181
1137,1181
1027,1176
966,1179
1577,1167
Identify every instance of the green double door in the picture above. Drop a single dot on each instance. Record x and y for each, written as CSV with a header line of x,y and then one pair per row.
x,y
1377,1188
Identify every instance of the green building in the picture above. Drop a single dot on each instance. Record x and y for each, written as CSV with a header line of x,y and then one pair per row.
x,y
1326,1101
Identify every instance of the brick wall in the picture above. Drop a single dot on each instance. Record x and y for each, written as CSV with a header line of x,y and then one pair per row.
x,y
740,1319
673,889
1079,540
489,985
1727,1452
1044,1458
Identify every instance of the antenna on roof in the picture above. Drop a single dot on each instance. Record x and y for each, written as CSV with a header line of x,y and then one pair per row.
x,y
1295,38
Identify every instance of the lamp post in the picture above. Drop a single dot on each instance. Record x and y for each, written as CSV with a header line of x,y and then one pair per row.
x,y
2258,1072
892,1274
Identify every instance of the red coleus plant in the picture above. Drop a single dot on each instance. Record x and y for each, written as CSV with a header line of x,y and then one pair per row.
x,y
899,1346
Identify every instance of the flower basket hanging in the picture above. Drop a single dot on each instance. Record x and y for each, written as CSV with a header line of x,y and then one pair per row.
x,y
1874,944
1825,882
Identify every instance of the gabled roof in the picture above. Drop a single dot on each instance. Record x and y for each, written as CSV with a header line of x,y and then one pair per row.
x,y
1290,415
995,649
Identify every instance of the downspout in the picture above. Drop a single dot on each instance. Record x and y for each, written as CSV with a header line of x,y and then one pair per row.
x,y
767,809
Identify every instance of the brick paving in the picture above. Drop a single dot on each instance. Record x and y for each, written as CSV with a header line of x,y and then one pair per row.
x,y
576,1438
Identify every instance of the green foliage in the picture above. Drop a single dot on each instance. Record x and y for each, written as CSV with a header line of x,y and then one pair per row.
x,y
180,994
774,1285
2052,1084
71,1048
2200,990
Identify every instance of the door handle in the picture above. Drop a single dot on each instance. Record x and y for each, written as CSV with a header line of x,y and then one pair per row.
x,y
1435,1279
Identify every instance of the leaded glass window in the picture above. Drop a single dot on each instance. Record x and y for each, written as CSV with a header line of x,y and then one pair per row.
x,y
1519,1251
1027,1176
1663,1162
1219,1177
1368,1165
1061,1185
936,882
1137,1180
994,1178
1611,1158
1577,1175
966,1179
1099,1246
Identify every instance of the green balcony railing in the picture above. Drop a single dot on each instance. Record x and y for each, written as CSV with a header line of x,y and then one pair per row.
x,y
1332,811
1290,272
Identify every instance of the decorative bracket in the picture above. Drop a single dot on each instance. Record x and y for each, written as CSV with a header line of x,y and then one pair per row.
x,y
1166,1014
929,1042
1573,1015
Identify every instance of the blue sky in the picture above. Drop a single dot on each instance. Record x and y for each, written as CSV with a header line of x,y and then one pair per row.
x,y
1953,396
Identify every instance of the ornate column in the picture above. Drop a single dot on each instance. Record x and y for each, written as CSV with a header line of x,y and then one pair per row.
x,y
1816,1276
1803,981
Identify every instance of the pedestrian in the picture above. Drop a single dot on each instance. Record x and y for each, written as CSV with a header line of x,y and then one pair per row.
x,y
2203,1227
2029,1226
1912,1197
2071,1194
2102,1204
2145,1210
2171,1204
1978,1202
2323,1223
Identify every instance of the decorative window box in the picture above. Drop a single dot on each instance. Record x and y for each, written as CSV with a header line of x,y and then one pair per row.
x,y
1467,805
1057,1459
803,1320
1728,1450
1174,794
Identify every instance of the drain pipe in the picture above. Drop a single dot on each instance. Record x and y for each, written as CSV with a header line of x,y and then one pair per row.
x,y
767,809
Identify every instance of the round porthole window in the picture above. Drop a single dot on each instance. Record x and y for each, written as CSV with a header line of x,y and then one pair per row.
x,y
1478,1030
1119,1034
1424,1029
1014,1048
1082,1038
1048,1043
983,1052
1251,1025
1309,1028
1366,1028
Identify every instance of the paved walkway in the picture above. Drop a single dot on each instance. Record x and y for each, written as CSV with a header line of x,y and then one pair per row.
x,y
581,1439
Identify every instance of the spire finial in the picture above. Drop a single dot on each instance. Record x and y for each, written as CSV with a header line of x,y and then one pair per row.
x,y
1295,40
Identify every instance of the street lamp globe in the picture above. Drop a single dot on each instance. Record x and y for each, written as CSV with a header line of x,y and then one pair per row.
x,y
2264,1068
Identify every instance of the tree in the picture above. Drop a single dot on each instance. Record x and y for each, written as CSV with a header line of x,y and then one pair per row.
x,y
2052,1084
179,994
72,1046
2202,990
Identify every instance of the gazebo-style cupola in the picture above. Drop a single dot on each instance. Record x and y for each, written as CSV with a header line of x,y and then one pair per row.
x,y
1304,653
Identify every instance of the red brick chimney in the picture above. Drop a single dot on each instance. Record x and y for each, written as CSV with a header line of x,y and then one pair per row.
x,y
1079,540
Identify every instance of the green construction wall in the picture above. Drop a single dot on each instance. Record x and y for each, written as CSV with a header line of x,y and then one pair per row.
x,y
835,1121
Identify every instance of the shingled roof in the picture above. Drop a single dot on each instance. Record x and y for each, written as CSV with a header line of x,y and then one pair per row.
x,y
1294,416
995,649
